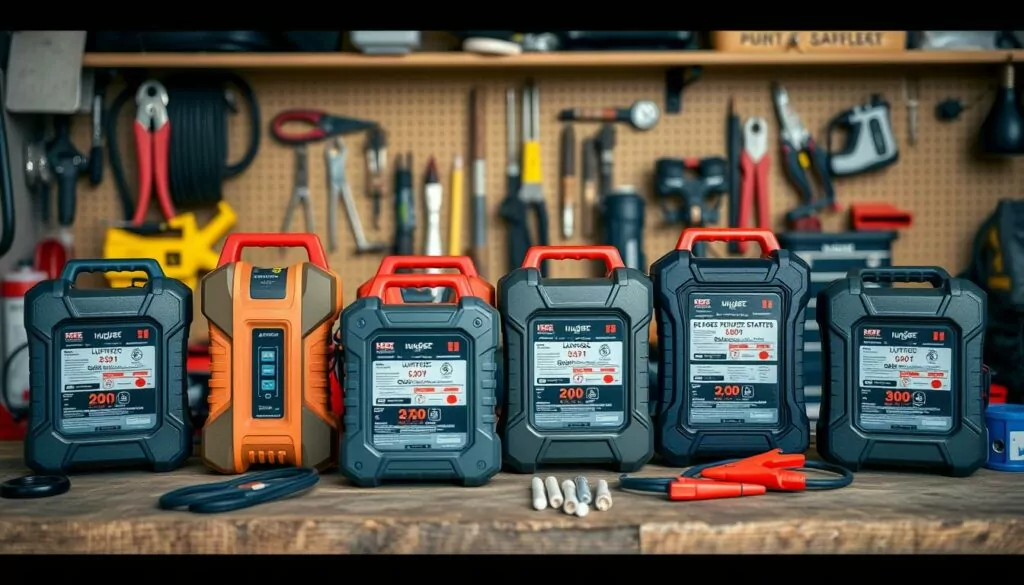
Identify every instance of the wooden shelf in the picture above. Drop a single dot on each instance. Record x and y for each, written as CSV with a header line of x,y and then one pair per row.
x,y
458,60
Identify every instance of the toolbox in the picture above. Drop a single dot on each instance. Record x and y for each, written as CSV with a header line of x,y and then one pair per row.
x,y
831,256
576,357
730,345
107,372
906,384
420,384
269,357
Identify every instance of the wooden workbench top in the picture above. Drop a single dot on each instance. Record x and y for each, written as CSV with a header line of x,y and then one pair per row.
x,y
880,513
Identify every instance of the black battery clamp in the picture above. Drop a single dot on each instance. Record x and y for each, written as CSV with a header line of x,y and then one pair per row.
x,y
730,341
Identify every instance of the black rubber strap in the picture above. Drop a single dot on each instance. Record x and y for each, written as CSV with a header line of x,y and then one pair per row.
x,y
34,486
243,492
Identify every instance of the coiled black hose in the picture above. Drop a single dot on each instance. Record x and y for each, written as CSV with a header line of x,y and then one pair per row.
x,y
6,191
198,164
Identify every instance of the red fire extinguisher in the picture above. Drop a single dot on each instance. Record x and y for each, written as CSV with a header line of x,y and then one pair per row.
x,y
14,371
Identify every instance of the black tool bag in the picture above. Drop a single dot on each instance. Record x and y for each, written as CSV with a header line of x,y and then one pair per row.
x,y
217,41
997,266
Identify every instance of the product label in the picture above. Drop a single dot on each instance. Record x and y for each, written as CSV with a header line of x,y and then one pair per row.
x,y
108,378
905,377
1016,448
734,349
578,372
17,382
268,373
268,283
420,391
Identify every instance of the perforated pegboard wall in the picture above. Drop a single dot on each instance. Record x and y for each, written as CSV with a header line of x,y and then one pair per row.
x,y
940,180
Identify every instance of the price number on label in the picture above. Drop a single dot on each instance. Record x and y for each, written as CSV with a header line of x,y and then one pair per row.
x,y
727,391
903,359
569,394
733,332
100,399
412,415
417,373
897,396
107,359
576,353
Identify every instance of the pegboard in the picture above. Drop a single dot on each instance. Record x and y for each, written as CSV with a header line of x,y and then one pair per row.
x,y
940,180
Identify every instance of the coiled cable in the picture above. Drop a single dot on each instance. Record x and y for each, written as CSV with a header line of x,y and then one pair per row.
x,y
197,109
661,484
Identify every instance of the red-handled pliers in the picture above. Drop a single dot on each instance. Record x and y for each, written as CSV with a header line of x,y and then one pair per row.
x,y
152,149
754,164
321,125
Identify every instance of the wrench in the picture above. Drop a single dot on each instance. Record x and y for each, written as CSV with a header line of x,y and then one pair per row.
x,y
336,155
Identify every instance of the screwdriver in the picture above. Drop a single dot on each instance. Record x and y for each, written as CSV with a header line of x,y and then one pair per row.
x,y
433,195
405,210
455,210
568,180
479,210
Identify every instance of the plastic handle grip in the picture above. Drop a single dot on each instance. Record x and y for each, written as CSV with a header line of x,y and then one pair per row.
x,y
765,238
391,264
457,282
233,245
609,254
75,267
929,274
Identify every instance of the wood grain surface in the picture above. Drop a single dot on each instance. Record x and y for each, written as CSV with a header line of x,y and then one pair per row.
x,y
881,513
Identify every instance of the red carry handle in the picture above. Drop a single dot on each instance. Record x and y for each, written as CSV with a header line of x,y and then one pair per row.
x,y
232,250
691,236
391,264
609,254
457,282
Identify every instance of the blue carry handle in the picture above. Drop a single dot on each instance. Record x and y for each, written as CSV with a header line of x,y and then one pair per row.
x,y
933,275
75,267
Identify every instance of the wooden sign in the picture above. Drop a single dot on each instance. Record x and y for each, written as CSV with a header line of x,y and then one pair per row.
x,y
809,41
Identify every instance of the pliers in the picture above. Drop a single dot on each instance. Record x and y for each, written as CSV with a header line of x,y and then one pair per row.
x,y
323,125
800,153
152,148
300,191
754,165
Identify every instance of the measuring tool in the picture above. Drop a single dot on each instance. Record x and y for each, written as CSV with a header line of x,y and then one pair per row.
x,y
800,154
575,364
183,249
419,389
269,348
730,349
108,374
336,157
905,384
642,115
870,141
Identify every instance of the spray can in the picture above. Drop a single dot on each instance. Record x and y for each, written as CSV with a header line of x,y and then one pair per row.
x,y
15,349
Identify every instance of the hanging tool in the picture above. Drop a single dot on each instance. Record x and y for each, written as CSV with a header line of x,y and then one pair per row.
x,y
624,226
734,145
405,209
6,186
455,208
478,125
512,209
1002,132
642,115
242,492
911,91
433,196
101,77
183,250
336,157
531,192
589,187
323,125
800,153
67,164
689,191
300,192
376,163
606,149
568,180
152,149
755,162
870,141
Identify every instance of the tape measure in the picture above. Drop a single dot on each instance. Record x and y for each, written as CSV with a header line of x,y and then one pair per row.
x,y
269,350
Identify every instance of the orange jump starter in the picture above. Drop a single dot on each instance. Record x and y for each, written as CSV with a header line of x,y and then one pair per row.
x,y
269,357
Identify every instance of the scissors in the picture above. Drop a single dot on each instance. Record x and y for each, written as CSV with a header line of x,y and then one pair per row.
x,y
243,492
320,124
